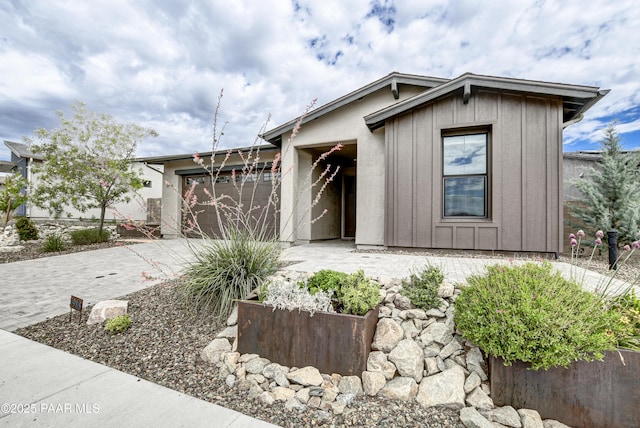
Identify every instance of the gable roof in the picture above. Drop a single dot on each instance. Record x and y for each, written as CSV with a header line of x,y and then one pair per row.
x,y
576,99
393,79
22,150
160,160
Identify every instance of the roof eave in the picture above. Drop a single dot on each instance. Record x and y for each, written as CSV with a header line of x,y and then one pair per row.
x,y
274,136
589,94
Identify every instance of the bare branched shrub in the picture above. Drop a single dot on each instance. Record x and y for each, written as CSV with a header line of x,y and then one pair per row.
x,y
246,250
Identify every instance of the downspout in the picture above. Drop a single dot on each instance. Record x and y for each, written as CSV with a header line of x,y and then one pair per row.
x,y
27,211
576,119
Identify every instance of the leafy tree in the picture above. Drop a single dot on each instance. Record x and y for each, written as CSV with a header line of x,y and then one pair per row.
x,y
611,191
87,162
12,195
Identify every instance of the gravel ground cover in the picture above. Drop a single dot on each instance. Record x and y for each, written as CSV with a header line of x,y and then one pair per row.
x,y
32,250
163,346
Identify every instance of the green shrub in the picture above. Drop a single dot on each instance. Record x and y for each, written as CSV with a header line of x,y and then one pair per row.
x,y
53,243
627,329
89,236
422,288
27,231
326,280
118,324
532,314
358,294
226,270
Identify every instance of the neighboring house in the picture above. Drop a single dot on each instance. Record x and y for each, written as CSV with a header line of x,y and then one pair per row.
x,y
181,172
578,165
469,163
23,160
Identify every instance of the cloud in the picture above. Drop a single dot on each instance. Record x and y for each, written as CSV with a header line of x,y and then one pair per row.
x,y
163,63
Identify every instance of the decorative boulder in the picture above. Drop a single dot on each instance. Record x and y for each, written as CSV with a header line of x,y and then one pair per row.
x,y
106,310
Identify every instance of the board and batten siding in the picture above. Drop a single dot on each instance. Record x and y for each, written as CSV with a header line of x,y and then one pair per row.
x,y
525,174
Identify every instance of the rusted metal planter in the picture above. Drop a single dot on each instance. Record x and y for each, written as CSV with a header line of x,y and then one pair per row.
x,y
587,394
330,342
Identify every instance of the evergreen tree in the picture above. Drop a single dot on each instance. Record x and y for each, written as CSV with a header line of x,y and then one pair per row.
x,y
611,191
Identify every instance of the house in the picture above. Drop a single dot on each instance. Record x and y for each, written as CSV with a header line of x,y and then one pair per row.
x,y
23,160
472,163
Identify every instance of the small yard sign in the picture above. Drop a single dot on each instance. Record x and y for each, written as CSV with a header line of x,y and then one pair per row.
x,y
76,304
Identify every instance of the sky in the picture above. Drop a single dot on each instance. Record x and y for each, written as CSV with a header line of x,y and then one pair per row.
x,y
163,64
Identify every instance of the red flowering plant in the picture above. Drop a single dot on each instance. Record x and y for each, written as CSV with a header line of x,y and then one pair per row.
x,y
238,247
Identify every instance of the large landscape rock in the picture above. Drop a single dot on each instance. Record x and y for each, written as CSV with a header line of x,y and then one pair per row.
x,y
373,382
350,385
437,332
400,388
530,418
479,399
408,359
212,352
106,310
507,416
307,376
388,334
378,362
416,355
443,389
471,418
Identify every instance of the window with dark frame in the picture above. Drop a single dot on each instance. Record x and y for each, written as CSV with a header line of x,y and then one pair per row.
x,y
465,175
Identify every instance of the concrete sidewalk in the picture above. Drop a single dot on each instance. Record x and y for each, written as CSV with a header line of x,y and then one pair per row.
x,y
43,387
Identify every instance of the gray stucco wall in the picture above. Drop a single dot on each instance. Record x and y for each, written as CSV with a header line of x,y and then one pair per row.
x,y
525,174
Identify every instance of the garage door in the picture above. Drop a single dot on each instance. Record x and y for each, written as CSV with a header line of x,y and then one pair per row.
x,y
257,189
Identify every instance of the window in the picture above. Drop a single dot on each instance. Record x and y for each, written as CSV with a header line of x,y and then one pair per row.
x,y
465,176
198,180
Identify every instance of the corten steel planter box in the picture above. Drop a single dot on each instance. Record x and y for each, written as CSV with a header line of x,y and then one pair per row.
x,y
330,342
587,394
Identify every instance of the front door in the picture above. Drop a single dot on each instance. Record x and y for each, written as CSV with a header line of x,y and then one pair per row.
x,y
349,207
